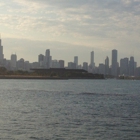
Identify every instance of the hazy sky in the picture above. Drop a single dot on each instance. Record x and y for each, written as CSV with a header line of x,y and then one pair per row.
x,y
70,28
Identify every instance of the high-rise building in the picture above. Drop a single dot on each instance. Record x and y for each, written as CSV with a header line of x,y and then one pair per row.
x,y
71,65
41,60
102,69
85,66
47,59
27,66
1,52
76,61
131,66
61,62
107,66
20,64
55,64
13,62
92,60
124,67
114,66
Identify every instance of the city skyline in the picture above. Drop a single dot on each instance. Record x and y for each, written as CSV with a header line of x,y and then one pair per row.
x,y
91,57
29,27
124,66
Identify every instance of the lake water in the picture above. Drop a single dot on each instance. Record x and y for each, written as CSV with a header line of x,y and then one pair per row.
x,y
69,110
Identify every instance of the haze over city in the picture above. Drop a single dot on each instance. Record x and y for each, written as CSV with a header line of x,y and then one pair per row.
x,y
70,28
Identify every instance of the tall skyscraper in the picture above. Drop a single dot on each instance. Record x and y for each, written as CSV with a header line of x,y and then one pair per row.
x,y
13,61
92,60
40,58
76,61
107,66
131,66
1,52
114,63
47,59
124,67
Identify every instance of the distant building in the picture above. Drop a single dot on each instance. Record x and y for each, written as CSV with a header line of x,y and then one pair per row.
x,y
101,69
124,66
76,61
41,60
27,66
107,66
114,63
7,64
35,65
71,65
13,62
85,66
79,67
61,63
20,64
47,59
1,53
131,66
137,72
55,64
92,65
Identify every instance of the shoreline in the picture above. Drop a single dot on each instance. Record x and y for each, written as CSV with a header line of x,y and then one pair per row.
x,y
43,77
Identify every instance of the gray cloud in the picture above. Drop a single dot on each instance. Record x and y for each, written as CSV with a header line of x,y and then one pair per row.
x,y
101,23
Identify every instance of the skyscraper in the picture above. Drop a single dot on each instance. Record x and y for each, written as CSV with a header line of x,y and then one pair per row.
x,y
131,66
1,52
92,60
124,68
13,61
102,69
85,66
40,58
47,59
114,63
76,61
107,66
61,62
92,64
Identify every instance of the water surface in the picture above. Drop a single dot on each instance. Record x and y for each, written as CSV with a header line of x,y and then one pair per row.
x,y
69,110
